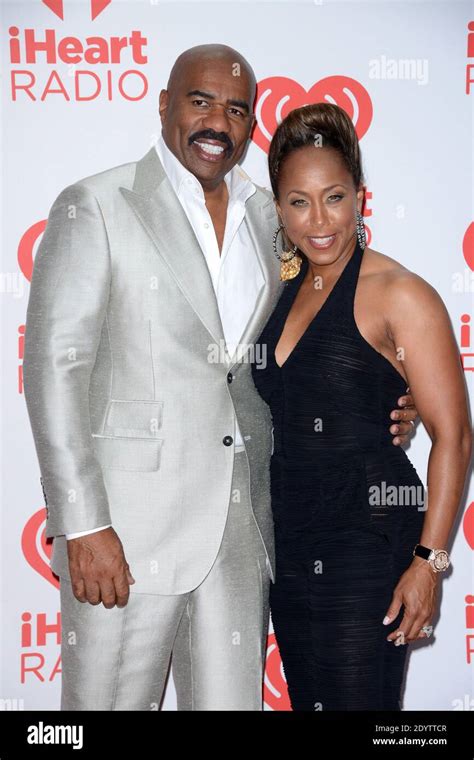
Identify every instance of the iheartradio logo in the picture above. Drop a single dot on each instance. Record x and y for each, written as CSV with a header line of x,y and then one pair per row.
x,y
468,525
277,96
57,6
87,77
275,692
36,549
468,246
26,246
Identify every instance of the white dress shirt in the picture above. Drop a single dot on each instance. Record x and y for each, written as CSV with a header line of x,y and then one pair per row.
x,y
236,273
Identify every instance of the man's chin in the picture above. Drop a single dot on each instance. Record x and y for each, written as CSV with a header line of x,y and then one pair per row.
x,y
209,171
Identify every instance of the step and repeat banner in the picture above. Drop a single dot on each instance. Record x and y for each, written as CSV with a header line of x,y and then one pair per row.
x,y
80,84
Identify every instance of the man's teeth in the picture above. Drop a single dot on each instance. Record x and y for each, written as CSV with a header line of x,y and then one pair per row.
x,y
208,148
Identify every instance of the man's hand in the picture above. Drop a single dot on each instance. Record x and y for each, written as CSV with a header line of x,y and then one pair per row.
x,y
404,417
99,570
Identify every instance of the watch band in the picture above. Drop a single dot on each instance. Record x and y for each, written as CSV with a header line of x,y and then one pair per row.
x,y
422,551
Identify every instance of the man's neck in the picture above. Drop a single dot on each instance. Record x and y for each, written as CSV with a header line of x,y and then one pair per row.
x,y
217,195
216,204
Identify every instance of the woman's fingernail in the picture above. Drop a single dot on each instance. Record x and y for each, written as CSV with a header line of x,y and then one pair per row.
x,y
386,620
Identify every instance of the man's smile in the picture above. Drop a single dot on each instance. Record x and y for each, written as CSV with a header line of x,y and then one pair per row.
x,y
212,150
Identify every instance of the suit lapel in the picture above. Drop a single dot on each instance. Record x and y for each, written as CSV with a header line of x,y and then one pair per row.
x,y
158,209
261,221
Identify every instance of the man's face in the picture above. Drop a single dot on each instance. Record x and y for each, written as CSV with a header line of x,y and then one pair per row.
x,y
207,119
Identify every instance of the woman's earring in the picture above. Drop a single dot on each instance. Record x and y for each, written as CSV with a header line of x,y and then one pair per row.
x,y
290,260
360,227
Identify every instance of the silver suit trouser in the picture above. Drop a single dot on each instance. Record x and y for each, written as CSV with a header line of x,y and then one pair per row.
x,y
214,636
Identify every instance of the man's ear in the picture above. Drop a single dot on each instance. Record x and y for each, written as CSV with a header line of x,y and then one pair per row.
x,y
163,104
253,124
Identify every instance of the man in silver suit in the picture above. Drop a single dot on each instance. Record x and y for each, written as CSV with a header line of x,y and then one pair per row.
x,y
152,282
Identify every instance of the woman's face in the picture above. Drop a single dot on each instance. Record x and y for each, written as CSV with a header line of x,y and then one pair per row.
x,y
318,204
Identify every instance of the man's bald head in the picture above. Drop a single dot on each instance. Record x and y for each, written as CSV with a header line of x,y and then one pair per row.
x,y
213,53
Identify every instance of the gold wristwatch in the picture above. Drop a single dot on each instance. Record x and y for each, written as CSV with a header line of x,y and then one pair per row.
x,y
438,558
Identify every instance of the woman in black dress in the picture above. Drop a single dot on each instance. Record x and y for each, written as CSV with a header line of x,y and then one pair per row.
x,y
350,331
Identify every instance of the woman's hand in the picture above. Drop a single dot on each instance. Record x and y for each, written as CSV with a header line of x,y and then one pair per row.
x,y
417,590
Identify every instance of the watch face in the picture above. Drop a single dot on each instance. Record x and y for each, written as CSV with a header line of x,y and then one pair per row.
x,y
441,559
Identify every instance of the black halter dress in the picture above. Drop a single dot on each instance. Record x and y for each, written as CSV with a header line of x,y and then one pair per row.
x,y
348,505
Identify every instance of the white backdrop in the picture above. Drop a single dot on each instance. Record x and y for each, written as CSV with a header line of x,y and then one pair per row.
x,y
402,71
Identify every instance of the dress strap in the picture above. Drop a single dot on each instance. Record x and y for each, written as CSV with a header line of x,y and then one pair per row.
x,y
347,284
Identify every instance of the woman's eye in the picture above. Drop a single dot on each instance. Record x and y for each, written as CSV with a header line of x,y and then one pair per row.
x,y
336,196
297,202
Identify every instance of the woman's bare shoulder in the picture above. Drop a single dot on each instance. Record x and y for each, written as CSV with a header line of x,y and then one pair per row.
x,y
391,274
398,284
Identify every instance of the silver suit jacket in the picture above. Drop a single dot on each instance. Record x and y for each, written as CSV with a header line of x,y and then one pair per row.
x,y
130,397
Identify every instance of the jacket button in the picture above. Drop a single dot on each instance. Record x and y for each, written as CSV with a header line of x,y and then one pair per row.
x,y
228,440
230,377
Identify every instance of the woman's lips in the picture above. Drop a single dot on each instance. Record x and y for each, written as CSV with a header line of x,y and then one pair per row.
x,y
321,243
210,150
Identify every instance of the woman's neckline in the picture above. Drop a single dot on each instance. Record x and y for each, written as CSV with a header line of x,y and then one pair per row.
x,y
358,251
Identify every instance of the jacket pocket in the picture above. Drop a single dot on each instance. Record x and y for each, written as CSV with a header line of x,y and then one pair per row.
x,y
135,419
129,454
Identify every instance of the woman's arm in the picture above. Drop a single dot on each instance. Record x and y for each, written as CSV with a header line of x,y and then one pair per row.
x,y
420,328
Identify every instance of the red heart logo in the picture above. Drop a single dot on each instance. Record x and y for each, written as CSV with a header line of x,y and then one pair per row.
x,y
37,548
275,688
277,96
468,525
57,6
468,246
26,245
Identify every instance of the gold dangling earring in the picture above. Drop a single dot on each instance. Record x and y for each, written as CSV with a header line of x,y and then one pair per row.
x,y
290,260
